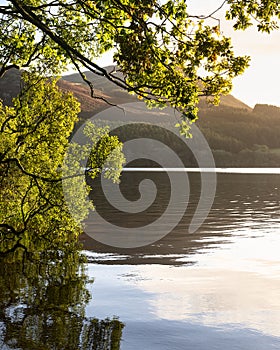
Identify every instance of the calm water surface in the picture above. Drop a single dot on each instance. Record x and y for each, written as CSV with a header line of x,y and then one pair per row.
x,y
218,288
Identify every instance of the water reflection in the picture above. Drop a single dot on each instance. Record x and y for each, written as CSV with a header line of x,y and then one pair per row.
x,y
216,289
244,205
43,296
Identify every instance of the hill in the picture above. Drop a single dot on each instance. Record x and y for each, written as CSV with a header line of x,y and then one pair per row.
x,y
237,134
9,86
117,94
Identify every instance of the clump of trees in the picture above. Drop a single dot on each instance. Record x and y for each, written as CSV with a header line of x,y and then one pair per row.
x,y
242,137
35,135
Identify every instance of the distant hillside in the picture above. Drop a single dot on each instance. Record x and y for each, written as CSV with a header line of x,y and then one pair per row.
x,y
117,94
89,105
241,128
226,101
9,86
237,134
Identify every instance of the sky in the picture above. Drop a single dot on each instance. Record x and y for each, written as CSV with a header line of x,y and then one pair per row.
x,y
260,82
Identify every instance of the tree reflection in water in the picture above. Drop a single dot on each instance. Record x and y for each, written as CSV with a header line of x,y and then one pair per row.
x,y
43,297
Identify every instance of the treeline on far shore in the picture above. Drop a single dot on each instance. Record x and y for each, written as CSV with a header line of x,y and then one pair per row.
x,y
242,137
237,137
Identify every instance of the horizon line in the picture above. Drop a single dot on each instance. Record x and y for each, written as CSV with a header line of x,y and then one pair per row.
x,y
211,170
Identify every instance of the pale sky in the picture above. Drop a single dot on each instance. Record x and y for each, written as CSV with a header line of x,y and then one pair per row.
x,y
260,82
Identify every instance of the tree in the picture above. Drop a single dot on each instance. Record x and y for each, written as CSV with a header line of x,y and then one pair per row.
x,y
34,138
42,275
166,55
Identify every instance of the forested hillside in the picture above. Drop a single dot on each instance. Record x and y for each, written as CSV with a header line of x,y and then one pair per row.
x,y
237,134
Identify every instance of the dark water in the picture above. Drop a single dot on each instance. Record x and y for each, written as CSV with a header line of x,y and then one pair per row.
x,y
215,289
218,288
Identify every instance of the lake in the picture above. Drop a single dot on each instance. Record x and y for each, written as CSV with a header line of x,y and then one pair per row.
x,y
215,289
218,288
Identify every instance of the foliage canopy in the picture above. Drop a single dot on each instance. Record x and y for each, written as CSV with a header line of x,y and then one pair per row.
x,y
166,54
34,138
